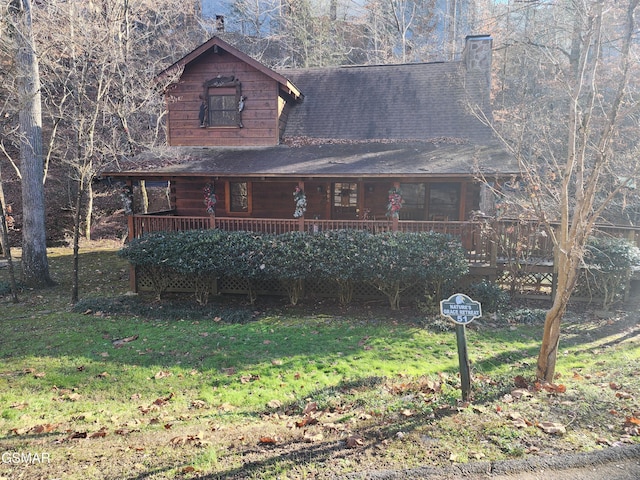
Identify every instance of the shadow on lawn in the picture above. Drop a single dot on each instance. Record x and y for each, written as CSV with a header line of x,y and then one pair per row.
x,y
263,459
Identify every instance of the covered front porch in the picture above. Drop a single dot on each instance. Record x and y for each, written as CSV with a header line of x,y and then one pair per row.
x,y
517,254
478,241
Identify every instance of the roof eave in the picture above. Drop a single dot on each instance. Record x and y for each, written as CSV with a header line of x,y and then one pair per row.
x,y
214,41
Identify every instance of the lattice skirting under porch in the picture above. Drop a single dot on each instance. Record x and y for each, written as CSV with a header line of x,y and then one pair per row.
x,y
233,285
535,283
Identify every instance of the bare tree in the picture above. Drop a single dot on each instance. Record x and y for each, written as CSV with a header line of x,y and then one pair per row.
x,y
35,265
570,114
100,89
402,31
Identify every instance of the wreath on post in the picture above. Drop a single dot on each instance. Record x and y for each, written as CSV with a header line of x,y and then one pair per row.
x,y
395,203
300,200
210,199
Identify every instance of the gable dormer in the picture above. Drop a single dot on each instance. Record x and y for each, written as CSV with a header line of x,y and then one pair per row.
x,y
223,97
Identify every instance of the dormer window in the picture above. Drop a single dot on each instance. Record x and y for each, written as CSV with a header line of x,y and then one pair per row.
x,y
223,107
222,103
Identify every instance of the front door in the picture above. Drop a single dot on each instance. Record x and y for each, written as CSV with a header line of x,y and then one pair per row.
x,y
344,201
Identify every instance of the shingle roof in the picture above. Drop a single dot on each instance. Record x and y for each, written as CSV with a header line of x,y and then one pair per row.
x,y
373,159
387,120
409,102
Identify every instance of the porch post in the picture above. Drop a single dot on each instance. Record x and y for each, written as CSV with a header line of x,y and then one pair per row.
x,y
211,209
493,262
395,219
131,225
463,200
301,218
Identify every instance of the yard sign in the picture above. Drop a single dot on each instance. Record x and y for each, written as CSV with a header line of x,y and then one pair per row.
x,y
462,310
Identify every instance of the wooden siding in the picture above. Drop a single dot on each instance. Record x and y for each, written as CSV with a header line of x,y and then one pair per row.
x,y
274,199
259,117
189,196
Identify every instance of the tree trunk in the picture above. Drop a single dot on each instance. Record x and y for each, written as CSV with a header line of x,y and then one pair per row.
x,y
89,213
568,268
76,245
35,266
145,196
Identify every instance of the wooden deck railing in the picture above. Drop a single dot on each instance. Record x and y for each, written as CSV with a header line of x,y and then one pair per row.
x,y
478,247
503,240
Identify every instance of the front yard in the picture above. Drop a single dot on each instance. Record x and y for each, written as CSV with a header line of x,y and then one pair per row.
x,y
125,387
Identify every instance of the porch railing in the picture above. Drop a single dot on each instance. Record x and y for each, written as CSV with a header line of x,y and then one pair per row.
x,y
503,241
479,248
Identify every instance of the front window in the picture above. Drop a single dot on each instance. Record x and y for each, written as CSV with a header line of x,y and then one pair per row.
x,y
239,197
444,201
345,195
414,197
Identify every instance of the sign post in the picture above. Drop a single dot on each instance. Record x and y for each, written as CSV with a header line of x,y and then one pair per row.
x,y
462,310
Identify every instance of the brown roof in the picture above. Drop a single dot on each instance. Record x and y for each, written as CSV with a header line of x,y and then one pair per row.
x,y
353,159
216,42
411,101
409,120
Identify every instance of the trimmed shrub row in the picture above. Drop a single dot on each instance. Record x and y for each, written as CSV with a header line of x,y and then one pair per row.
x,y
391,261
608,265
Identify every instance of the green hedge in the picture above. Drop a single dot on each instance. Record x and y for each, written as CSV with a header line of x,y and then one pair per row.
x,y
607,267
392,261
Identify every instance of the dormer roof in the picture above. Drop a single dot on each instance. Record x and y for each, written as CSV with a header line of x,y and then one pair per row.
x,y
215,43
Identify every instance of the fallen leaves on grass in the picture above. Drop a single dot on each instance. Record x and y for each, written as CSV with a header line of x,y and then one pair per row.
x,y
551,388
632,426
267,441
196,440
310,415
354,441
37,429
163,400
552,428
518,421
122,341
422,385
99,434
249,378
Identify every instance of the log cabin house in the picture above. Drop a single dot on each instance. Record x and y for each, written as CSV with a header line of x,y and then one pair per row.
x,y
345,136
251,148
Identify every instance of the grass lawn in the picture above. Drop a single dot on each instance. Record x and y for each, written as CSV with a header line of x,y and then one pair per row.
x,y
124,387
